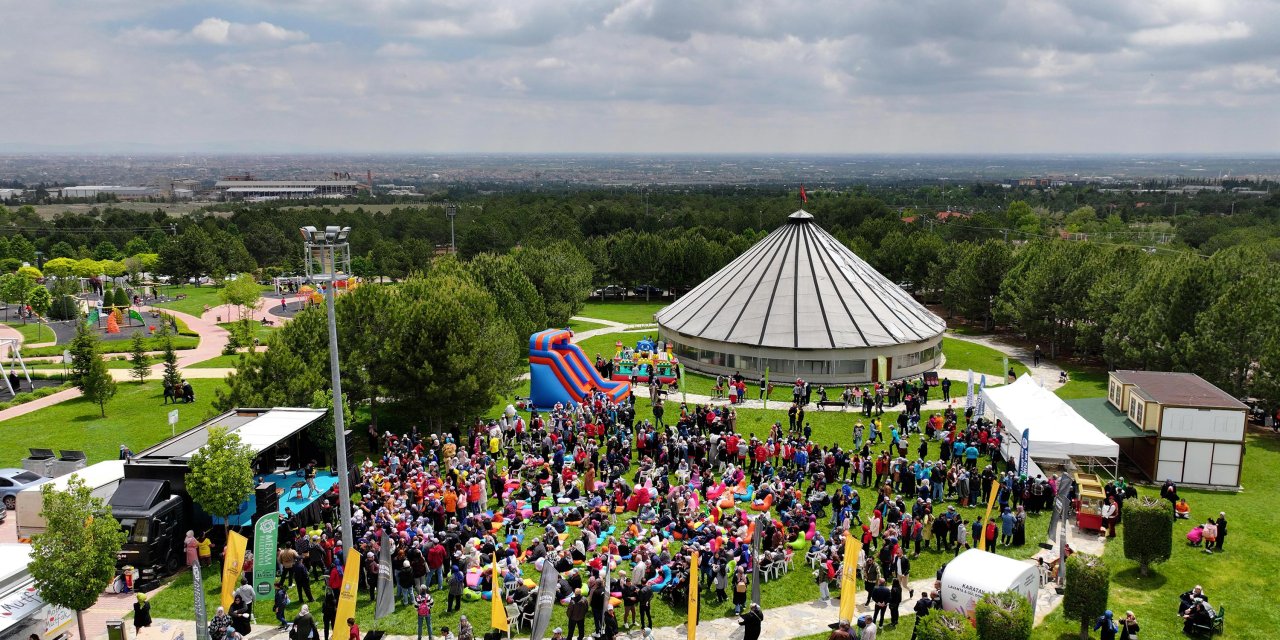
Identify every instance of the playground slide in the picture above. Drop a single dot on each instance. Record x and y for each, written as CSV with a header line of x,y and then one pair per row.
x,y
560,373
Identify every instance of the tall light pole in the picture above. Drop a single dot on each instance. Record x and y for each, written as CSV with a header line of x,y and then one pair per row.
x,y
328,260
451,211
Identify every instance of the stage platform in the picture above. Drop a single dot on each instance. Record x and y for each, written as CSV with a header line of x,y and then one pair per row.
x,y
308,508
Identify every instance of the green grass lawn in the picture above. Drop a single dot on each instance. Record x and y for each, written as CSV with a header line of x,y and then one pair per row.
x,y
964,355
629,312
218,362
1083,383
115,346
578,326
135,416
196,298
33,332
1239,579
111,364
260,331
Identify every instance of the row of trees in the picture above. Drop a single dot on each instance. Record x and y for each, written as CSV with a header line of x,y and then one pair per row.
x,y
445,342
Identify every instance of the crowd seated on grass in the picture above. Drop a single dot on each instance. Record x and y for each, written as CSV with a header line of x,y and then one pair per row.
x,y
589,491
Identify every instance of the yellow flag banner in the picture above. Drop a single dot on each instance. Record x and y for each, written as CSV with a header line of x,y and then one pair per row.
x,y
232,567
991,502
498,613
347,596
692,613
849,577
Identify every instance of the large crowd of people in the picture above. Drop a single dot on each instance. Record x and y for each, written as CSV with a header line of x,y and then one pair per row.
x,y
618,505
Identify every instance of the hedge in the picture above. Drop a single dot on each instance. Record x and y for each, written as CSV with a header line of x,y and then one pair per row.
x,y
945,625
1004,616
1148,531
1088,587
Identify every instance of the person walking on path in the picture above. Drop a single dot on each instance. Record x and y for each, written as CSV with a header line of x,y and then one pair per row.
x,y
141,614
751,621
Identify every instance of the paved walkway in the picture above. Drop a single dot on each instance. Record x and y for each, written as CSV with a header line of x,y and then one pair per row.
x,y
39,403
212,339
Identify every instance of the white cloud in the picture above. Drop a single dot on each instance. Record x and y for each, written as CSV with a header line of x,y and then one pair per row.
x,y
219,31
398,50
213,31
1191,33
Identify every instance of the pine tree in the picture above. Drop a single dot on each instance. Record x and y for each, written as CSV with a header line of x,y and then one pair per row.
x,y
138,356
170,358
83,348
92,376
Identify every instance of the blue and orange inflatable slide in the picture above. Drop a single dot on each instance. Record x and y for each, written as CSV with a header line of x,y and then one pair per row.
x,y
560,373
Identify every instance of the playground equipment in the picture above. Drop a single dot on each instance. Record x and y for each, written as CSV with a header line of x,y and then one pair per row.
x,y
14,348
96,318
559,373
648,358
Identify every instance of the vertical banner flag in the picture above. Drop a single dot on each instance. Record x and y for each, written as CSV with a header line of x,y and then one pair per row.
x,y
981,407
804,197
265,535
385,603
498,612
991,502
693,597
347,596
683,397
968,398
232,566
755,561
1004,370
1024,458
202,614
547,586
849,577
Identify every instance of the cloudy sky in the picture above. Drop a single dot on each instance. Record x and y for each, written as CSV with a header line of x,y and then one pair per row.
x,y
643,76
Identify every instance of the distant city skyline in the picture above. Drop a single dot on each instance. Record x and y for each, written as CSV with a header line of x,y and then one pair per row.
x,y
642,76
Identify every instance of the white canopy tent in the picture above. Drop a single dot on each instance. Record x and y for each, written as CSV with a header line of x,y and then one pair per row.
x,y
1056,430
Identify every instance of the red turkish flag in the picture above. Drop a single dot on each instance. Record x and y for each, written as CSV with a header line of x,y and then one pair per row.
x,y
803,196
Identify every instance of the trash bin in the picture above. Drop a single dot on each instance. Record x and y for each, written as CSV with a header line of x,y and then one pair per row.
x,y
115,630
40,462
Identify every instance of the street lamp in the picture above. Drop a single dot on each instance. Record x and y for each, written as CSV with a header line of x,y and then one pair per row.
x,y
451,211
328,261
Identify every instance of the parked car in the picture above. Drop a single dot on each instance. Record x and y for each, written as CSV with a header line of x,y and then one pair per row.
x,y
14,480
652,291
611,291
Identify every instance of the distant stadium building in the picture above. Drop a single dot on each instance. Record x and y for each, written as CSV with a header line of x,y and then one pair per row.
x,y
285,189
118,192
802,304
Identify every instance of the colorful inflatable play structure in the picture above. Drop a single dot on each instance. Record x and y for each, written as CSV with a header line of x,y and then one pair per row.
x,y
559,373
646,359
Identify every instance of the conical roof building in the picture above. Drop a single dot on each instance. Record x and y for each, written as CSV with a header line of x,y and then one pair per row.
x,y
802,304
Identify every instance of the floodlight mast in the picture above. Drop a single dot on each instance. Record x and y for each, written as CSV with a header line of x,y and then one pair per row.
x,y
328,260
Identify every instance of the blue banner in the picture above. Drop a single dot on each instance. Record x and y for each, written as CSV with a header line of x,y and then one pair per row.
x,y
1024,460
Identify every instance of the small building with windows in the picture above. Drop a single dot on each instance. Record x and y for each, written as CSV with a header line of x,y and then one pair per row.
x,y
803,305
1192,431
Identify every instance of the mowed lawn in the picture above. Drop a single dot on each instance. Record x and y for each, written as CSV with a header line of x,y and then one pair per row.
x,y
1241,579
195,301
629,312
1083,383
218,362
964,355
135,417
33,332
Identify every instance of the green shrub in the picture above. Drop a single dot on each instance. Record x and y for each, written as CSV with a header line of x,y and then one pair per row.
x,y
1148,531
1004,616
64,308
945,625
122,299
1088,587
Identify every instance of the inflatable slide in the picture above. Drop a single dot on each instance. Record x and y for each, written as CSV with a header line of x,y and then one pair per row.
x,y
560,373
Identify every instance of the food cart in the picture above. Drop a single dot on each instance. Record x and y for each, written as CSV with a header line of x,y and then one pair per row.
x,y
1090,497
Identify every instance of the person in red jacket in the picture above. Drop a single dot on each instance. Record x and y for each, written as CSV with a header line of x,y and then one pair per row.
x,y
436,557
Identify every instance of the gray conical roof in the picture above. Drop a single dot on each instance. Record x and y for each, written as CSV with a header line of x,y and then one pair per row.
x,y
800,288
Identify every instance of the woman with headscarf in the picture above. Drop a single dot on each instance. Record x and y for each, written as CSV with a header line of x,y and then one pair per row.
x,y
141,613
304,626
241,615
465,632
219,625
192,547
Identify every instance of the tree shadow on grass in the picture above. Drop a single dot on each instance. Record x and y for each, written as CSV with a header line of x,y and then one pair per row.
x,y
1131,579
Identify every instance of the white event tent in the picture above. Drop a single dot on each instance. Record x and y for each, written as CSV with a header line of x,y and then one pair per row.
x,y
1056,431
